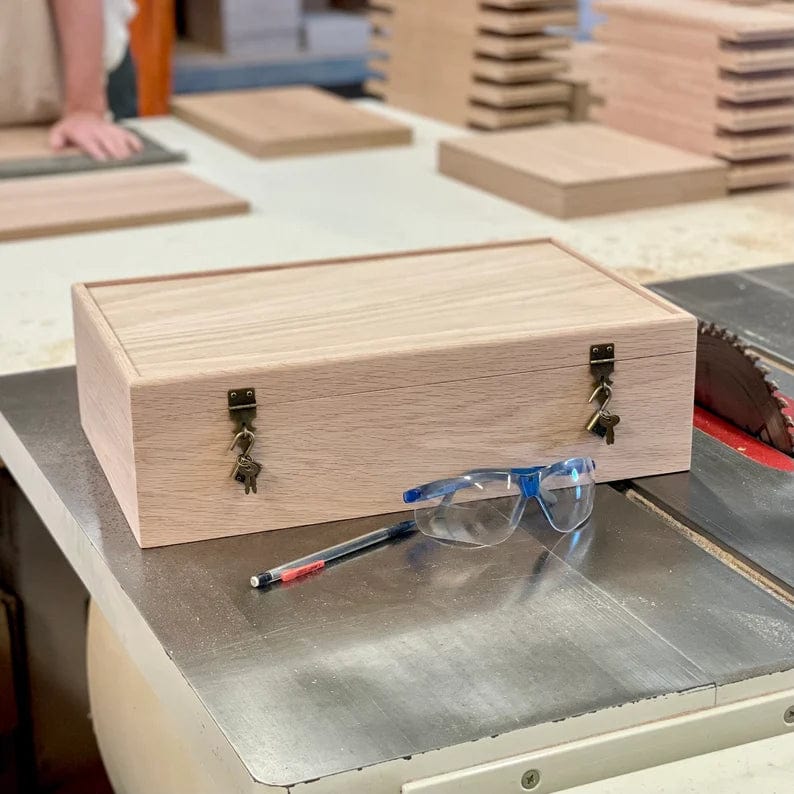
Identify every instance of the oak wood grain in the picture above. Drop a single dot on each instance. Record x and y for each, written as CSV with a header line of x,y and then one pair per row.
x,y
378,371
569,170
28,143
730,22
276,122
712,78
43,206
451,58
104,379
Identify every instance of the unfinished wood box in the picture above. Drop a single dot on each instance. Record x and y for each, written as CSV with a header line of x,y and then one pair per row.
x,y
371,375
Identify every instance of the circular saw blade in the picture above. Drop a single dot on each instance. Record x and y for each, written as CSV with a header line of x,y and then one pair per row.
x,y
731,383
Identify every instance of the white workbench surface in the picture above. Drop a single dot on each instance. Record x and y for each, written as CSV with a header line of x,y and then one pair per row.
x,y
359,203
392,199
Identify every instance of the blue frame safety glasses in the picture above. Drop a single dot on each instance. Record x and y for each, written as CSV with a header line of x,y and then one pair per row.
x,y
484,506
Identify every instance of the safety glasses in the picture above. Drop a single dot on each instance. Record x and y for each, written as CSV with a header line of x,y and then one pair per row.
x,y
484,506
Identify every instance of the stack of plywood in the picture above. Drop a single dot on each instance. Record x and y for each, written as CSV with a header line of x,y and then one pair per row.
x,y
714,78
488,64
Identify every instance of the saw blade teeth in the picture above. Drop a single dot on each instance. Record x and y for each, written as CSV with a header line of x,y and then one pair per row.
x,y
772,386
781,401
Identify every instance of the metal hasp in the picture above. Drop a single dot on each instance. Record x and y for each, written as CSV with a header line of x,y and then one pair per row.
x,y
242,407
602,363
242,410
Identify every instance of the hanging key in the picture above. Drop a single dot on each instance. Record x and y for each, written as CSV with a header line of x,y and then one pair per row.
x,y
607,422
245,471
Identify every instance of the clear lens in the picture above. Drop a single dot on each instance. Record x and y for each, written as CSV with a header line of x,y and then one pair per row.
x,y
478,515
567,490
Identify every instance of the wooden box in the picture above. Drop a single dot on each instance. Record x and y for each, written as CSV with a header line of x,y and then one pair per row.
x,y
371,375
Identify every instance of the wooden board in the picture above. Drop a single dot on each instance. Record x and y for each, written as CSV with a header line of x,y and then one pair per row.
x,y
487,118
656,123
357,386
521,70
43,206
761,173
517,96
518,46
730,22
276,122
514,23
673,39
449,58
568,170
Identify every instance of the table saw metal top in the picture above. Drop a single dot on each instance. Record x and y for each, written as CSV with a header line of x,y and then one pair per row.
x,y
413,646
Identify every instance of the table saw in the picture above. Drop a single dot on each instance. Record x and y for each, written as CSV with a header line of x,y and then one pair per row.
x,y
661,630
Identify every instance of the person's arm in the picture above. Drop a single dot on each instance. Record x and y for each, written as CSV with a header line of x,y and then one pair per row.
x,y
80,26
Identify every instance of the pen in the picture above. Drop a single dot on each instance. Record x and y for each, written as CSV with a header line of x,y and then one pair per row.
x,y
315,562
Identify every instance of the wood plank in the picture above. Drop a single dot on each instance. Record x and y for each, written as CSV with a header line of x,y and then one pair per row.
x,y
499,46
42,206
510,96
28,143
581,169
761,173
490,118
658,123
728,21
512,23
517,71
697,43
276,122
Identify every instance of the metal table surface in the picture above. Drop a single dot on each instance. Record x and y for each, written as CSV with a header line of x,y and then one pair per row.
x,y
413,646
758,305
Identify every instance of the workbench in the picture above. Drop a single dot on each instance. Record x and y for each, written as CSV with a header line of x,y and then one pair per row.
x,y
633,643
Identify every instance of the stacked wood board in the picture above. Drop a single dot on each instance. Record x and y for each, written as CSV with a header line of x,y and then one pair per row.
x,y
570,170
714,78
276,122
485,64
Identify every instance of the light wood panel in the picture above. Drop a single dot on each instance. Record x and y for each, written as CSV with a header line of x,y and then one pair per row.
x,y
28,143
713,78
518,46
377,375
518,71
581,169
488,118
168,327
43,206
449,58
732,23
275,122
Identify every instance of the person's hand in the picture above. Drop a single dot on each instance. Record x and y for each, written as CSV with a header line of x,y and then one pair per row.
x,y
97,137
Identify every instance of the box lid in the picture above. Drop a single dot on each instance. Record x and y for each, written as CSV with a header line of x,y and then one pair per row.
x,y
353,325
